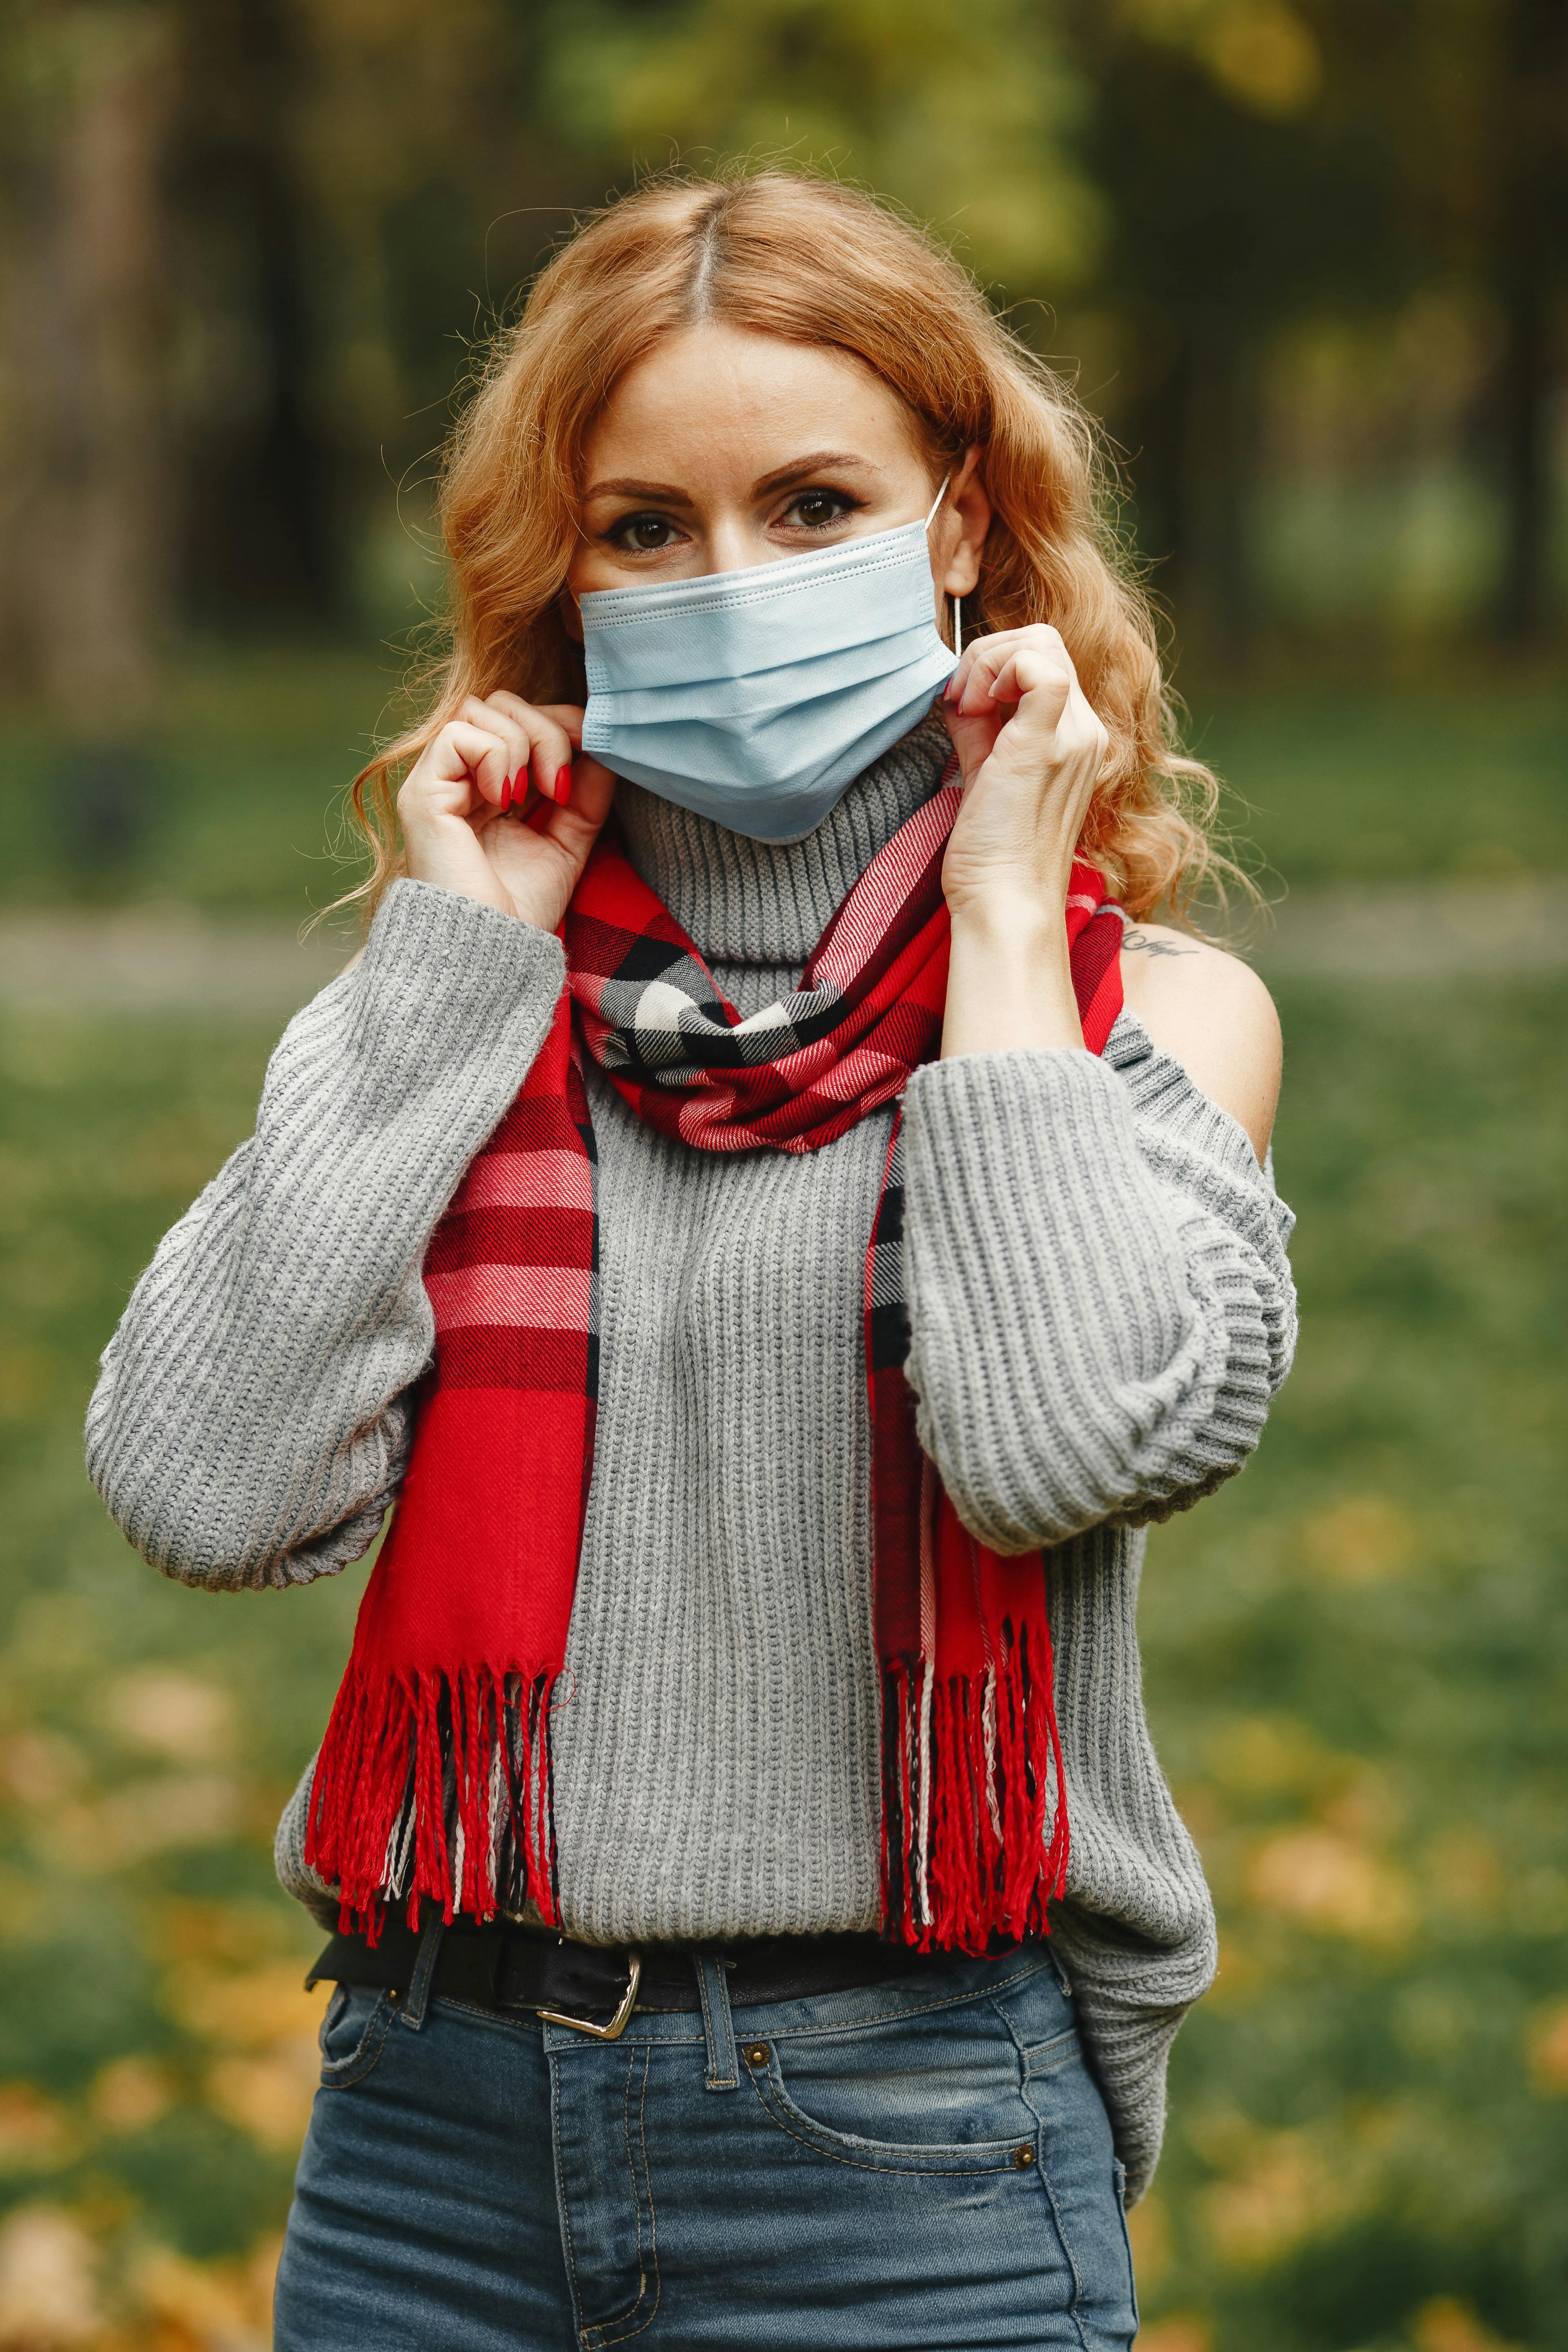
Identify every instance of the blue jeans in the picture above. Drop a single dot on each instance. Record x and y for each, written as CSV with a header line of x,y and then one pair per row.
x,y
916,2164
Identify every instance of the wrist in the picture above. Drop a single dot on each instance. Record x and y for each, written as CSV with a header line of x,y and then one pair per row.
x,y
1009,976
453,862
1009,917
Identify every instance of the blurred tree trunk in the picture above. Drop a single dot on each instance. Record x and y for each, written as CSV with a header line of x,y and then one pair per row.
x,y
91,527
1531,221
260,476
1216,453
1194,454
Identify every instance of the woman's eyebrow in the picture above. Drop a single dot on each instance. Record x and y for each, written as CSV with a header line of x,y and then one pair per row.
x,y
798,470
665,492
819,461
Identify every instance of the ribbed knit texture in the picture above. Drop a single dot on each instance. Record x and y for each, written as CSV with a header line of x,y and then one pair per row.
x,y
252,1422
761,904
1101,1309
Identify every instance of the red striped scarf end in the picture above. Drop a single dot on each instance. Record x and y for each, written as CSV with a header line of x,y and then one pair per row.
x,y
975,1826
437,1788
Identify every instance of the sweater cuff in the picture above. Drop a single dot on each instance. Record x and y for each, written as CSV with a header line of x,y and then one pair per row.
x,y
1058,1098
442,975
421,931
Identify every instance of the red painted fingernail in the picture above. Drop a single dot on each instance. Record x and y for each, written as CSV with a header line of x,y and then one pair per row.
x,y
563,785
506,794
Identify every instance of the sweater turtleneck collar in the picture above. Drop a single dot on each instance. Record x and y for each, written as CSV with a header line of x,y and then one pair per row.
x,y
765,904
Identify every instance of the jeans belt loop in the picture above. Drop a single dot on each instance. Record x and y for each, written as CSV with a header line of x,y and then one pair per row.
x,y
718,2025
414,2008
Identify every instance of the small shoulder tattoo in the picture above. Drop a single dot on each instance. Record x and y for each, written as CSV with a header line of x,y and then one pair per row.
x,y
1142,943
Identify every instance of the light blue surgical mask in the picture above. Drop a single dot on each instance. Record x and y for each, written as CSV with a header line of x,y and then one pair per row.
x,y
756,697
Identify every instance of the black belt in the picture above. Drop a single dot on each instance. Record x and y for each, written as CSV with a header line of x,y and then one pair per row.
x,y
507,1968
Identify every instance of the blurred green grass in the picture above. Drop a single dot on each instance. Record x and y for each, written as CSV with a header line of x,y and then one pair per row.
x,y
1360,784
1356,1657
240,802
237,797
157,2045
1357,1666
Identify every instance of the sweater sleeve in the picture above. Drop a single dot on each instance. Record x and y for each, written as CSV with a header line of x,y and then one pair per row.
x,y
253,1415
1100,1302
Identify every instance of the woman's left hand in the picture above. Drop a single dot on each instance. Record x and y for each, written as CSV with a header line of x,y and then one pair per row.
x,y
1031,750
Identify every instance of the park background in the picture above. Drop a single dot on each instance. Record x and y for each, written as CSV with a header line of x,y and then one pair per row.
x,y
1305,260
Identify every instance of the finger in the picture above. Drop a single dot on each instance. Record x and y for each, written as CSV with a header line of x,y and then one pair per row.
x,y
989,659
464,753
1087,730
537,746
953,689
548,743
974,740
953,692
986,655
567,716
492,720
588,790
1010,675
1027,673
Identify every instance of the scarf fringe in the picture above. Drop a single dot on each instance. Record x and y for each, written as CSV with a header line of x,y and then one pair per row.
x,y
440,1790
974,1825
437,1789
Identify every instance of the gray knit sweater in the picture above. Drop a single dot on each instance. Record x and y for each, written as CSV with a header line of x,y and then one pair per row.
x,y
1101,1309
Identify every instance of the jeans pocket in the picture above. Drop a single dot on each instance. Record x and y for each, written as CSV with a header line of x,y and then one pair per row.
x,y
941,2091
353,2032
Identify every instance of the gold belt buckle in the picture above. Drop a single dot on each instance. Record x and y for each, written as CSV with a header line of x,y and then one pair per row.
x,y
622,2018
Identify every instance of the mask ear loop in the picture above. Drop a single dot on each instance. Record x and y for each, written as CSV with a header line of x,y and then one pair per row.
x,y
958,600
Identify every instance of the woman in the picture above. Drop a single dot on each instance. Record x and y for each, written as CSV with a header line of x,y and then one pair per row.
x,y
778,1248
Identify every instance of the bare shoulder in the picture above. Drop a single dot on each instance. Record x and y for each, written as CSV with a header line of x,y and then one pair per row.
x,y
1212,1014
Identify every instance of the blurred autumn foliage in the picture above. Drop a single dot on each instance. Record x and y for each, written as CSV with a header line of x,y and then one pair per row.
x,y
1306,254
1306,257
1357,1676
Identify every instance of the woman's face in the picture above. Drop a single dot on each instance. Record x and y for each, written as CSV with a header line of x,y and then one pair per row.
x,y
725,449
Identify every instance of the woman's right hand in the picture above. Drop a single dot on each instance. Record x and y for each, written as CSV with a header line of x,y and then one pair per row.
x,y
495,809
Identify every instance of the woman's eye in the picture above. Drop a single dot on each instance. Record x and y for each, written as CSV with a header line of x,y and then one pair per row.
x,y
645,532
815,510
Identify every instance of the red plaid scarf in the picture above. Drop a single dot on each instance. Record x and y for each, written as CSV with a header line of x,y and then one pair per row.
x,y
434,1776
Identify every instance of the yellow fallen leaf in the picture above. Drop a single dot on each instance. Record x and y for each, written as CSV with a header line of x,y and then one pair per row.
x,y
1361,1541
1334,1884
1445,2324
130,2094
268,2097
249,2008
1549,2049
33,2130
1177,2332
48,2282
172,1715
